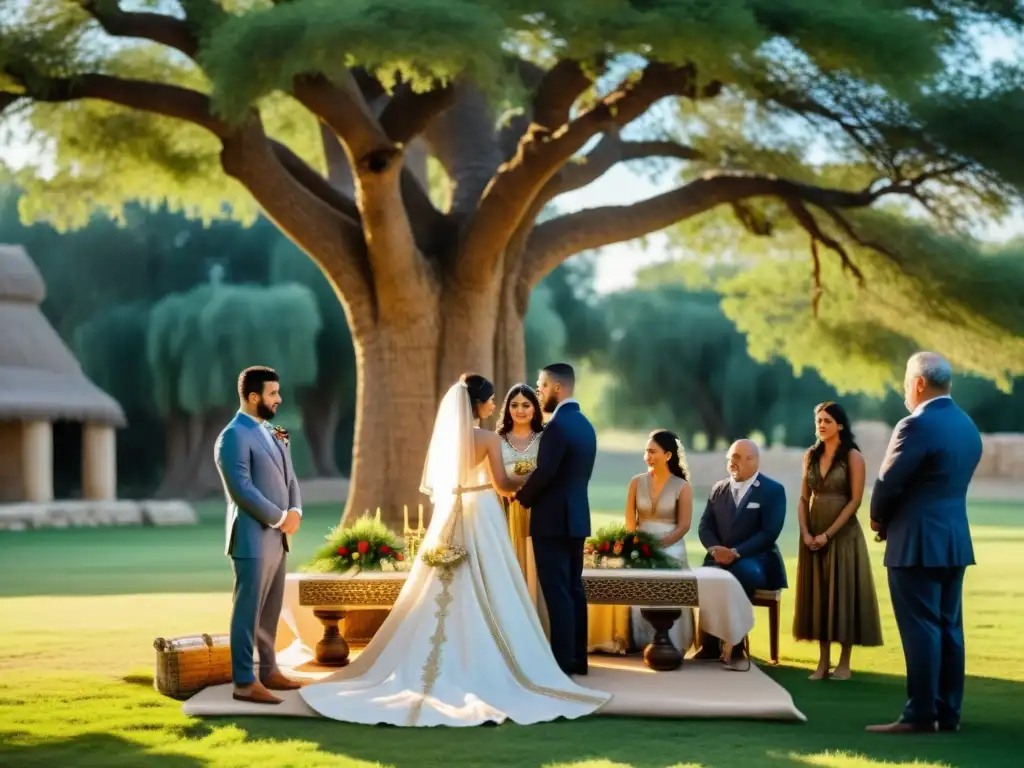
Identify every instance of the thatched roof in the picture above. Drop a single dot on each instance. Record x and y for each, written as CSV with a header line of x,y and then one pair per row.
x,y
39,376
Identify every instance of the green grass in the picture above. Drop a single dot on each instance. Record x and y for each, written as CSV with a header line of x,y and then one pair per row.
x,y
79,610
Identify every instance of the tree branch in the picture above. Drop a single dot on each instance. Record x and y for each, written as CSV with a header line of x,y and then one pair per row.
x,y
144,25
554,241
330,239
608,153
315,183
407,113
158,98
557,92
511,193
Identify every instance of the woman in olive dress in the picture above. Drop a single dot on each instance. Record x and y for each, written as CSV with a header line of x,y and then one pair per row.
x,y
835,590
520,427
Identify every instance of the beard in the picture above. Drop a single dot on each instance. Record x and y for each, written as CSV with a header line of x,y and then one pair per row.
x,y
549,404
265,412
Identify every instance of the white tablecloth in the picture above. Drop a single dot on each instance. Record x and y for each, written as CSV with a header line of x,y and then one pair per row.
x,y
724,610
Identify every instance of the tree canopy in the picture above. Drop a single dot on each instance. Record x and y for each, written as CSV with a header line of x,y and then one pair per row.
x,y
791,115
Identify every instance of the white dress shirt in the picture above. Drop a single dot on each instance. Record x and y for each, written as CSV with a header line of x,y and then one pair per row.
x,y
564,402
739,490
272,442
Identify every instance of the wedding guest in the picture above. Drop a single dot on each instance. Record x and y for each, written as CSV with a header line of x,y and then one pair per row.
x,y
740,529
520,428
919,507
835,593
660,502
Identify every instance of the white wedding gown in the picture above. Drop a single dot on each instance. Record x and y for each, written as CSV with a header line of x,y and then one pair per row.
x,y
462,645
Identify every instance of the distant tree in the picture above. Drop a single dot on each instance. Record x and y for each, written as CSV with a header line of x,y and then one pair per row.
x,y
198,342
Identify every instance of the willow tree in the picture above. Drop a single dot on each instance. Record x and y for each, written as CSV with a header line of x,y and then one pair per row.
x,y
289,104
197,342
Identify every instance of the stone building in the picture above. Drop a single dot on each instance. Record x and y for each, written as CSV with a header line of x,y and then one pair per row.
x,y
41,382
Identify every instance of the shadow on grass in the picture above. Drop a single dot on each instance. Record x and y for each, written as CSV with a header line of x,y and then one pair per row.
x,y
837,713
90,750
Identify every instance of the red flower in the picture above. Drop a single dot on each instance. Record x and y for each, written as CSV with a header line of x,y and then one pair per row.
x,y
645,550
605,546
399,556
363,547
385,549
343,551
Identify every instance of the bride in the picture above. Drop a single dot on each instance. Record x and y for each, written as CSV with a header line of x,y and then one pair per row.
x,y
463,644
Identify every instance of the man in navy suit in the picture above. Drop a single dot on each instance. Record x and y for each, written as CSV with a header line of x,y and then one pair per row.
x,y
556,494
740,529
919,507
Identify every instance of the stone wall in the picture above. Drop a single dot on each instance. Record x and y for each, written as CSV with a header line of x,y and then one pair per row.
x,y
91,514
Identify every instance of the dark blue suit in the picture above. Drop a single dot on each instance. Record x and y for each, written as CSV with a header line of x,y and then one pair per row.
x,y
556,495
752,528
920,502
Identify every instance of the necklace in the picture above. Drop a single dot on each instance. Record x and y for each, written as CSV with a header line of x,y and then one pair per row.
x,y
651,495
533,439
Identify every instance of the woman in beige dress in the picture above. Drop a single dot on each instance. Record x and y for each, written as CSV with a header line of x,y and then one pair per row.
x,y
660,502
835,590
520,428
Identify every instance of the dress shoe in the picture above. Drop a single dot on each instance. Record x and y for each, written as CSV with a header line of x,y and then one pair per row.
x,y
581,669
275,681
255,694
901,726
949,727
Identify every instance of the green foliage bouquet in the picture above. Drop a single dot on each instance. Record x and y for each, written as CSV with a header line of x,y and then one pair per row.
x,y
615,547
367,545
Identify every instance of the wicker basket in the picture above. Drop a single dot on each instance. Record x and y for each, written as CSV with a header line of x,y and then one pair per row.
x,y
186,665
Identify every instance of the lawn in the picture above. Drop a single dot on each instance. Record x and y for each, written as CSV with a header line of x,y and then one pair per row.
x,y
79,610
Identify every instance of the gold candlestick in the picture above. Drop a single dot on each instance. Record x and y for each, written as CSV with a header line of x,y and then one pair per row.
x,y
376,515
405,518
419,521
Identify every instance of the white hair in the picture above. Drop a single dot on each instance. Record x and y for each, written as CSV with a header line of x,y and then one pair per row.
x,y
933,368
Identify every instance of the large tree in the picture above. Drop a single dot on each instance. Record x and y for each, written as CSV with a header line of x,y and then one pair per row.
x,y
297,102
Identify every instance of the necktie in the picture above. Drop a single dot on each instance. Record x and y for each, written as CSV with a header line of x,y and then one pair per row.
x,y
736,494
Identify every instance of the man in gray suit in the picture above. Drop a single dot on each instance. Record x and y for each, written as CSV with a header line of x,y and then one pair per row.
x,y
264,510
919,507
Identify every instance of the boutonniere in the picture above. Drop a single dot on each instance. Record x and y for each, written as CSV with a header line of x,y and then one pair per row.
x,y
281,434
757,483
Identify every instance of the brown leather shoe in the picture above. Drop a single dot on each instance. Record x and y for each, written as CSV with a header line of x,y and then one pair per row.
x,y
255,694
278,682
901,727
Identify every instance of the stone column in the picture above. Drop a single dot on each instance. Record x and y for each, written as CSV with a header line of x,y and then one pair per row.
x,y
37,460
99,462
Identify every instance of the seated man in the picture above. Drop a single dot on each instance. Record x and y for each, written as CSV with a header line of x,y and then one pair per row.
x,y
740,527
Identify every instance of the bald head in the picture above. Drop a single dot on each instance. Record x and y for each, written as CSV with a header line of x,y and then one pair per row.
x,y
928,376
743,460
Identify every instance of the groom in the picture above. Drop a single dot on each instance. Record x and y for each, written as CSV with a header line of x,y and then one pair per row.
x,y
263,512
556,494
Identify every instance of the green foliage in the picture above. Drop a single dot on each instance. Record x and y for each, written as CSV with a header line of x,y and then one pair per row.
x,y
111,348
336,364
635,549
198,342
367,545
678,361
943,293
544,329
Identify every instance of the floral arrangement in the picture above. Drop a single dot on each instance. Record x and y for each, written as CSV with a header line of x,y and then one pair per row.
x,y
367,545
615,547
281,434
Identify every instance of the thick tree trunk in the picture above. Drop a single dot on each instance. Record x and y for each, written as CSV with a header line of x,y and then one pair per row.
x,y
321,410
395,406
509,344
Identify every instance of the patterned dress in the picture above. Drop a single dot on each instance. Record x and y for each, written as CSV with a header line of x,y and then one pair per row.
x,y
835,590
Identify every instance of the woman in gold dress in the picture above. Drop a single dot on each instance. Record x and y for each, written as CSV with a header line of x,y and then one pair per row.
x,y
520,426
835,591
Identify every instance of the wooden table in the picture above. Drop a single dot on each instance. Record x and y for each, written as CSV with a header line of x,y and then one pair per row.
x,y
661,595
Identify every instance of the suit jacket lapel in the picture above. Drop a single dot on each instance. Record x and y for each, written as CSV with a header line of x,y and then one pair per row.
x,y
745,499
274,454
